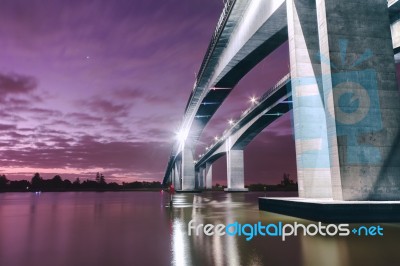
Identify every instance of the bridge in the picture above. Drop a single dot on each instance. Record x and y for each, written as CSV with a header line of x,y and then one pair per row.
x,y
343,151
265,110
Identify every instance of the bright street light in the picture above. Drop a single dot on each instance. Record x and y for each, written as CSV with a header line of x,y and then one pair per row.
x,y
253,99
181,136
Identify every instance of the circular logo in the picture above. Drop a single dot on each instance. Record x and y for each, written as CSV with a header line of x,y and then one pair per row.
x,y
351,103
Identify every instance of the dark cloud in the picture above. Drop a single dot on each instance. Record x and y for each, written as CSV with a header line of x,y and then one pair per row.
x,y
35,113
26,129
129,94
60,123
43,112
7,127
15,135
16,84
122,131
103,106
84,117
15,102
11,117
161,134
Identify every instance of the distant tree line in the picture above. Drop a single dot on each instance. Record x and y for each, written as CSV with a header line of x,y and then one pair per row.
x,y
56,183
286,184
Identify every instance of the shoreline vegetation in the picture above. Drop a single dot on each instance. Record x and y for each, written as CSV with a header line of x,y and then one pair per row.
x,y
57,184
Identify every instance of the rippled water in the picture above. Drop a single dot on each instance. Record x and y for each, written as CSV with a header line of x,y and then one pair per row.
x,y
139,228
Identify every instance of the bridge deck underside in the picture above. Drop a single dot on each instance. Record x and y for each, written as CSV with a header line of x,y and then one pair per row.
x,y
257,54
238,68
208,107
264,121
272,108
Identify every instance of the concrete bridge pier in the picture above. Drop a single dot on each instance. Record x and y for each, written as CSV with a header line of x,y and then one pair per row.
x,y
200,184
177,177
312,153
235,171
172,176
357,88
361,97
345,100
188,172
208,175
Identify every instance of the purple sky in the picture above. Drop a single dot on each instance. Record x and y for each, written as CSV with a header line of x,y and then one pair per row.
x,y
89,86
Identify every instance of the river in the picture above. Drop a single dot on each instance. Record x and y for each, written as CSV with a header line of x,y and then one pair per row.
x,y
140,228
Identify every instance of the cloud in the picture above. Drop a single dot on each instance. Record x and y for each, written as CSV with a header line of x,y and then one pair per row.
x,y
104,106
88,153
60,123
43,112
161,134
7,127
16,102
84,117
30,114
129,94
16,84
134,86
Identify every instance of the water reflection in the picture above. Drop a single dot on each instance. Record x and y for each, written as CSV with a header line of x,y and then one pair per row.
x,y
139,228
318,251
83,229
215,208
232,252
180,246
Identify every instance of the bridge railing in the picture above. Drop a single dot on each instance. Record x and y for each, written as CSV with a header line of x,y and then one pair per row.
x,y
267,94
214,39
229,131
211,46
210,49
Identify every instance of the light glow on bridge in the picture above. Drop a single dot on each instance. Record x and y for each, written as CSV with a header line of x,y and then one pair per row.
x,y
253,99
181,136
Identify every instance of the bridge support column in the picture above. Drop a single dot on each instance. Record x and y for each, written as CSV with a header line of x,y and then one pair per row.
x,y
200,178
395,29
208,174
188,173
310,129
177,178
172,176
235,165
361,99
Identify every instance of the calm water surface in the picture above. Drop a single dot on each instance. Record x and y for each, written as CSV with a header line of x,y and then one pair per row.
x,y
138,228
